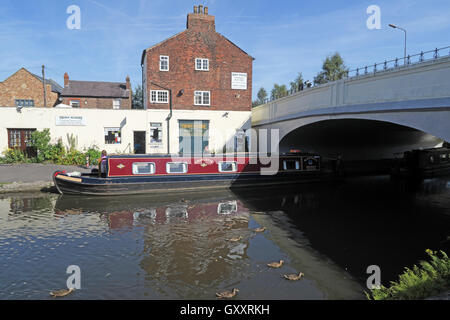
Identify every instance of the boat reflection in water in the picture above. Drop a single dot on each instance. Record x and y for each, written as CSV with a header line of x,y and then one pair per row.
x,y
185,249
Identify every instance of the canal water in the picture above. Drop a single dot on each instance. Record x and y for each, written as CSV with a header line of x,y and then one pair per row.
x,y
177,246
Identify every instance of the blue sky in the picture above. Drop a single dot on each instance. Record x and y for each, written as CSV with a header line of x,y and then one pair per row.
x,y
285,37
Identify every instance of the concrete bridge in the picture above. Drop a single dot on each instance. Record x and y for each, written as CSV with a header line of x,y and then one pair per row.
x,y
368,116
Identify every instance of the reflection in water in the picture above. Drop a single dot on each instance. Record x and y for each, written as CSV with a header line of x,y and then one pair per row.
x,y
177,247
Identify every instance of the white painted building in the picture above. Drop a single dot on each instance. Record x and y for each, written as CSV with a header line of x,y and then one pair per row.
x,y
117,131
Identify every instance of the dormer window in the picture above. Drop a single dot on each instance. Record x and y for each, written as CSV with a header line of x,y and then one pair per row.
x,y
163,63
201,64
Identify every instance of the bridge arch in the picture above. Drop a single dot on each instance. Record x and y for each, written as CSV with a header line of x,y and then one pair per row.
x,y
356,137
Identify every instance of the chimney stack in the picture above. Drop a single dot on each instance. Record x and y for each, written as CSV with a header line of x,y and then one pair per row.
x,y
128,83
200,20
66,79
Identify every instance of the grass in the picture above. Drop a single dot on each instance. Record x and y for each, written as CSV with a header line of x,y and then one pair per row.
x,y
420,282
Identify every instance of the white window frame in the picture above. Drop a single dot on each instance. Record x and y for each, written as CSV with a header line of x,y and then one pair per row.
x,y
118,129
157,96
185,165
202,60
76,101
233,164
161,59
117,103
152,165
201,93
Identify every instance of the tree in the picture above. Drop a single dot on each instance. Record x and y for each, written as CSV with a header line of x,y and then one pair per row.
x,y
297,84
262,96
333,69
137,102
278,91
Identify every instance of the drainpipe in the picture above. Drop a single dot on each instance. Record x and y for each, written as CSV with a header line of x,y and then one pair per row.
x,y
43,83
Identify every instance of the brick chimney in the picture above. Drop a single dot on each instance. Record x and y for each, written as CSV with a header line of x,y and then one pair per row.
x,y
128,83
66,79
200,20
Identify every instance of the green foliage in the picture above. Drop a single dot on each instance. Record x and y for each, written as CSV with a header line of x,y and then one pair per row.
x,y
93,154
428,279
41,141
73,142
14,156
53,153
137,98
297,84
333,69
278,91
262,97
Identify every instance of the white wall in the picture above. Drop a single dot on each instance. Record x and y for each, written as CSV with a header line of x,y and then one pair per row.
x,y
95,120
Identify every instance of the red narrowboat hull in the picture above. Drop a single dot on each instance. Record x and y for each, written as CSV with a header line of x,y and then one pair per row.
x,y
152,174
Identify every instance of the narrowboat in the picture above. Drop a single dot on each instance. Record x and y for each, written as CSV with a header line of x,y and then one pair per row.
x,y
423,164
135,174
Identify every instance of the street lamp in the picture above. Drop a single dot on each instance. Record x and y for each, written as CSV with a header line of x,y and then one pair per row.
x,y
397,27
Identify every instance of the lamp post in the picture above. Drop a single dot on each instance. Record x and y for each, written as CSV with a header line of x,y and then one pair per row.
x,y
397,27
169,115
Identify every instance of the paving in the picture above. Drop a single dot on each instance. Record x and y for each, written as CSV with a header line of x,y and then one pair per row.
x,y
30,176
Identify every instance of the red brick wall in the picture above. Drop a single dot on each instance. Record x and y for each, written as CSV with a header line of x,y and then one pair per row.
x,y
23,85
98,103
200,41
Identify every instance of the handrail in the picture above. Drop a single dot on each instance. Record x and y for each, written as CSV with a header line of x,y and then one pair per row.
x,y
397,63
387,65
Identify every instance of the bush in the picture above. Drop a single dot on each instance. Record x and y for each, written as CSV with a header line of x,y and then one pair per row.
x,y
93,154
429,279
41,141
14,156
54,153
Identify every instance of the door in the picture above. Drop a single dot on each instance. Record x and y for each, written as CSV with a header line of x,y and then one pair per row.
x,y
194,137
139,142
20,139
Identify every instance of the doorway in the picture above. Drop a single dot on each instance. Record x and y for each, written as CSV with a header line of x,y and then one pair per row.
x,y
20,139
139,142
194,137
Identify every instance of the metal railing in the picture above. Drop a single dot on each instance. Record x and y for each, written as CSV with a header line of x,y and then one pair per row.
x,y
399,63
387,65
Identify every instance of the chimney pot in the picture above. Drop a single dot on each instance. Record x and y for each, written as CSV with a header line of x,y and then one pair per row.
x,y
195,9
206,10
200,9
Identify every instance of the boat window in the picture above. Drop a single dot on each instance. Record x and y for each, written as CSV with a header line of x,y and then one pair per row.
x,y
291,165
228,166
143,168
176,167
443,157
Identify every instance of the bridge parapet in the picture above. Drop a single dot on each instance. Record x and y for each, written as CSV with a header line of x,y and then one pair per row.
x,y
425,80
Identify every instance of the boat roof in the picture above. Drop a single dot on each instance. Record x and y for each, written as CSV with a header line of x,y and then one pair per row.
x,y
217,155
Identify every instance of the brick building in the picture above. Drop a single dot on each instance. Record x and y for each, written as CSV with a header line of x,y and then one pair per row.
x,y
25,89
97,94
204,77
